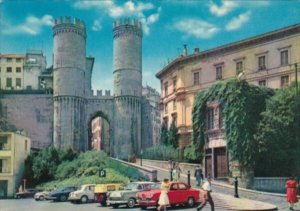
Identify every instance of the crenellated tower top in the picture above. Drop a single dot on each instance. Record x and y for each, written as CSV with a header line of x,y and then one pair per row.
x,y
127,25
67,24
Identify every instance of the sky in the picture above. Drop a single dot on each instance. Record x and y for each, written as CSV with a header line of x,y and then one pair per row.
x,y
167,26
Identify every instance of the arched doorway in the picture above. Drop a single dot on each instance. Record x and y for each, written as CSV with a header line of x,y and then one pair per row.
x,y
100,133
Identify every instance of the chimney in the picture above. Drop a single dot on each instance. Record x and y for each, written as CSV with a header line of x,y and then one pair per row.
x,y
196,50
185,53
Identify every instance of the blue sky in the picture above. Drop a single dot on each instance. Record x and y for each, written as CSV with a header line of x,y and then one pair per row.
x,y
168,25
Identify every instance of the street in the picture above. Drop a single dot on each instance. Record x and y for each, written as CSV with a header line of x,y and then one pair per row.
x,y
32,205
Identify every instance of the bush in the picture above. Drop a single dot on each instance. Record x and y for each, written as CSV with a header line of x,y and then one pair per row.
x,y
162,152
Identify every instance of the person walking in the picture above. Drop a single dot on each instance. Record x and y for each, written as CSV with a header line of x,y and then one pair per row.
x,y
198,175
163,198
206,189
291,192
176,172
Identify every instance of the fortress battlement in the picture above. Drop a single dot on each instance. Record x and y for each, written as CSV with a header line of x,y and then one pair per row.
x,y
127,22
99,93
69,20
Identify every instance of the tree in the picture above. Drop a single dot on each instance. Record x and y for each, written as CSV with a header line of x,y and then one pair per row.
x,y
164,134
278,135
173,135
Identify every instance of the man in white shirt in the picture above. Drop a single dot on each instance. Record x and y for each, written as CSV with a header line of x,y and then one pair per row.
x,y
206,197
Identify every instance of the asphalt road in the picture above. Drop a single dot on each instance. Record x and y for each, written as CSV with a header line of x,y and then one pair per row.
x,y
32,205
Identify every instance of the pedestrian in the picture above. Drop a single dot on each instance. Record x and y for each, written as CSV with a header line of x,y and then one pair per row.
x,y
198,175
291,192
206,190
178,172
163,198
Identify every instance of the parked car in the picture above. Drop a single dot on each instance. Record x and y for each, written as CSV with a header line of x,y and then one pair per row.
x,y
27,193
128,195
179,193
40,196
101,191
61,194
84,194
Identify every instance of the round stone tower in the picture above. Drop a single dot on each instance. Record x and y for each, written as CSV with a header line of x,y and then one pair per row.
x,y
127,71
69,65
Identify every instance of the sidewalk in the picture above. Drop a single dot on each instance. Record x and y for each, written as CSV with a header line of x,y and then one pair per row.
x,y
224,201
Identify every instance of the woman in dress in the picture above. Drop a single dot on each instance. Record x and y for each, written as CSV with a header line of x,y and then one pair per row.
x,y
163,198
291,192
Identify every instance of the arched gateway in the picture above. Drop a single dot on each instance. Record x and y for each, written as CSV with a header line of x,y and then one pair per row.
x,y
75,106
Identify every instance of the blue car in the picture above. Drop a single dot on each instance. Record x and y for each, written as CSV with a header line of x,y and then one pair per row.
x,y
61,194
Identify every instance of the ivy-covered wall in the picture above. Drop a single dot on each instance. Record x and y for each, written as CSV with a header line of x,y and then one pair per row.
x,y
241,105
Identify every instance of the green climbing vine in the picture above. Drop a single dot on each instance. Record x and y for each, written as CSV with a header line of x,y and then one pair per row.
x,y
241,105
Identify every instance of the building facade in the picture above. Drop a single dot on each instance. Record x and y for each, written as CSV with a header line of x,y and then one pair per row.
x,y
62,106
14,149
263,60
151,117
22,71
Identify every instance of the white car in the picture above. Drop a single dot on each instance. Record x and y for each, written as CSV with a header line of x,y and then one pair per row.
x,y
40,196
85,194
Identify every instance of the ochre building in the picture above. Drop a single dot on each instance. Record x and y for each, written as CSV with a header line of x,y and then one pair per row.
x,y
264,60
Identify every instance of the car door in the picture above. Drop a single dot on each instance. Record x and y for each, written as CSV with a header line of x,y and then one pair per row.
x,y
173,193
90,192
182,193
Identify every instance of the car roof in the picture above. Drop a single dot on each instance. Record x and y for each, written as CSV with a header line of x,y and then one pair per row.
x,y
143,182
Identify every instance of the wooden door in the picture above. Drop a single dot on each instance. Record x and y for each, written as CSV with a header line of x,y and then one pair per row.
x,y
221,163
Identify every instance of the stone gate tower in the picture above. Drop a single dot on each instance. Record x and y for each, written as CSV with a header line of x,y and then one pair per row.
x,y
127,71
69,65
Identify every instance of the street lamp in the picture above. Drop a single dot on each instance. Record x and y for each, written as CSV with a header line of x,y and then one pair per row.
x,y
141,157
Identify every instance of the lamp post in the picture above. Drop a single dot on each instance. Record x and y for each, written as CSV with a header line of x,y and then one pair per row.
x,y
141,157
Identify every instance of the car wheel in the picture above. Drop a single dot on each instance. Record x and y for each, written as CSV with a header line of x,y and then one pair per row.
x,y
191,202
41,198
115,205
63,198
131,203
84,199
143,207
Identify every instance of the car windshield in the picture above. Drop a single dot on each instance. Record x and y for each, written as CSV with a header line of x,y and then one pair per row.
x,y
155,186
132,186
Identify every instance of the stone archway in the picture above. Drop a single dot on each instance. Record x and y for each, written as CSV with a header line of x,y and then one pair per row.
x,y
104,128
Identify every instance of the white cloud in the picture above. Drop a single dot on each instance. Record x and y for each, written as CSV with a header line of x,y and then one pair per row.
x,y
31,26
96,25
197,28
128,8
237,22
223,9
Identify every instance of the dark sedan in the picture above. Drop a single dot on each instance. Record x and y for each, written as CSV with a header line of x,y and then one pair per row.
x,y
27,193
61,194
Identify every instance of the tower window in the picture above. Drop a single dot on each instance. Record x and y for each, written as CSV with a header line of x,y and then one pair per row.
x,y
9,69
262,63
8,82
210,119
18,69
284,80
239,67
196,78
166,88
18,82
284,57
219,73
262,83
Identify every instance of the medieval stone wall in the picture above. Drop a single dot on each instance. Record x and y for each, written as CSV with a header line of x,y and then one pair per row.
x,y
31,113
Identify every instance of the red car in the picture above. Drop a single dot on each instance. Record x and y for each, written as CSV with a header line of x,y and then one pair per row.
x,y
180,193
